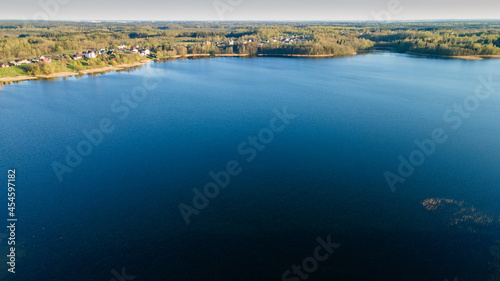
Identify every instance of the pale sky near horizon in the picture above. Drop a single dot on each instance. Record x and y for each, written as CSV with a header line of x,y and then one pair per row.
x,y
279,10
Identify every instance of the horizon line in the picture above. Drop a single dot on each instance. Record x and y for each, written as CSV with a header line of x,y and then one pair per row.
x,y
247,20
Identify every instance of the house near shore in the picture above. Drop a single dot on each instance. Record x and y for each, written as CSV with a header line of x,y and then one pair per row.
x,y
4,65
23,61
145,52
90,55
43,59
77,57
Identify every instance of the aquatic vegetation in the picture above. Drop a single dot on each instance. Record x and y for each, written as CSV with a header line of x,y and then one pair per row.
x,y
460,213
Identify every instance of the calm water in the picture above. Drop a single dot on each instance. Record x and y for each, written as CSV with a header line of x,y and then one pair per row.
x,y
322,175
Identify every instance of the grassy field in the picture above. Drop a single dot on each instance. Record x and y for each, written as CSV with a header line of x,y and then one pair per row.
x,y
13,71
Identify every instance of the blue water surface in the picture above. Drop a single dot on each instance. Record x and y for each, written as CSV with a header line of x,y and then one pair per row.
x,y
322,175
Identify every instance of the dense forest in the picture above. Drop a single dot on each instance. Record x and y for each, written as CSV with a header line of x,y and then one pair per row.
x,y
440,39
60,41
34,39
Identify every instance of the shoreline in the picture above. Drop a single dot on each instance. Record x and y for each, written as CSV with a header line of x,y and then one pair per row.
x,y
231,55
8,80
477,57
55,75
187,56
468,57
308,56
205,55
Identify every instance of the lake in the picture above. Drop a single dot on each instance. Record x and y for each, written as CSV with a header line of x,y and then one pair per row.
x,y
238,168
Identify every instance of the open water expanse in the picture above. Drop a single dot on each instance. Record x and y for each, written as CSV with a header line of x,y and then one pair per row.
x,y
246,168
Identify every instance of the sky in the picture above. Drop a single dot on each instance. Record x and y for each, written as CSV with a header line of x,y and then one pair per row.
x,y
255,10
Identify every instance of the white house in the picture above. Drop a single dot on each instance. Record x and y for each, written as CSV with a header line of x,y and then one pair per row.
x,y
90,55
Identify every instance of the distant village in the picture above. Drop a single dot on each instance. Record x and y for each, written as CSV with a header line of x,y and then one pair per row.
x,y
92,54
282,39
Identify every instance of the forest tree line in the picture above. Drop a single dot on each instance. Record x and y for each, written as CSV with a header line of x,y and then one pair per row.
x,y
32,39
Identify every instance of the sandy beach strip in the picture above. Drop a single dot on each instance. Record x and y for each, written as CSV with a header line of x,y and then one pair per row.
x,y
490,56
231,55
188,56
477,57
307,56
114,68
58,74
102,69
17,79
467,57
